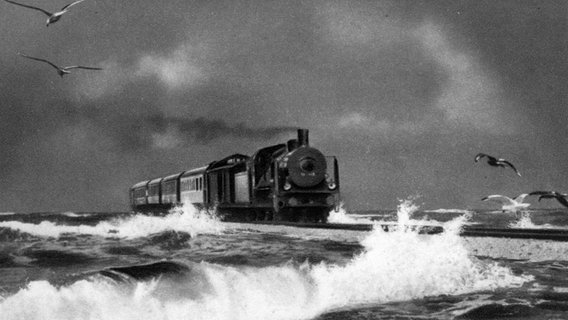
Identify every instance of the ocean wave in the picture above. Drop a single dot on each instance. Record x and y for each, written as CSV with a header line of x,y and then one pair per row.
x,y
342,216
393,266
184,219
170,240
459,211
11,235
71,214
525,222
55,258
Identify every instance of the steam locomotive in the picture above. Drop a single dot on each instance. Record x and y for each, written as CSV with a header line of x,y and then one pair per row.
x,y
285,182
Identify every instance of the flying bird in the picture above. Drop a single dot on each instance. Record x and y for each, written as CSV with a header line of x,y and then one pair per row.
x,y
60,70
561,197
511,205
492,161
52,17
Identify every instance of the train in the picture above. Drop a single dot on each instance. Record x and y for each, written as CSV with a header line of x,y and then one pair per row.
x,y
292,182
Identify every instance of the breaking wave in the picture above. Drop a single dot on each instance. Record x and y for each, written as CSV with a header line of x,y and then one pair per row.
x,y
342,216
71,214
525,222
10,235
394,266
184,219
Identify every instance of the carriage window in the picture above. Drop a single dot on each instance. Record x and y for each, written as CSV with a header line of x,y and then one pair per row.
x,y
192,184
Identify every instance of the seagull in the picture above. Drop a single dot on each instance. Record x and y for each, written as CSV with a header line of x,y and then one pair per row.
x,y
561,197
492,161
60,70
52,17
511,205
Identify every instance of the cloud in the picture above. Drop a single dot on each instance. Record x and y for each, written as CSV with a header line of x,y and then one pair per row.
x,y
169,139
470,97
98,84
181,68
369,125
404,81
358,121
348,24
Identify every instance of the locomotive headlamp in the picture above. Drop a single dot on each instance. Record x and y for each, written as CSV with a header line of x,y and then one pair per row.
x,y
293,201
330,200
307,164
331,185
287,186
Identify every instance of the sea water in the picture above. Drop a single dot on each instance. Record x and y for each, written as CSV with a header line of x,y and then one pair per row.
x,y
68,266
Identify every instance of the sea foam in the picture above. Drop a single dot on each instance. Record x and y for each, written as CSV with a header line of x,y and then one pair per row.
x,y
394,266
342,216
187,219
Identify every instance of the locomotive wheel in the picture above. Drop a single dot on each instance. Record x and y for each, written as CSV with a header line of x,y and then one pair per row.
x,y
286,215
250,215
260,215
304,216
323,215
277,216
311,215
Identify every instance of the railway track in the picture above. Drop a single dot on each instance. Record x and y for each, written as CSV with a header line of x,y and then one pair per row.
x,y
467,231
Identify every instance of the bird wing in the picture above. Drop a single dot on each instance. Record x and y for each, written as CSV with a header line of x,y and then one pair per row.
x,y
479,156
510,165
49,14
82,67
499,198
546,196
69,5
562,200
42,60
540,193
520,198
489,158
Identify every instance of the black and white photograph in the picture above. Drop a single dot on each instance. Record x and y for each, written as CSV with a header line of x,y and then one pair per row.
x,y
283,160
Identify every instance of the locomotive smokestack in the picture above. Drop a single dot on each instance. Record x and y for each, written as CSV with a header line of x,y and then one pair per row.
x,y
303,137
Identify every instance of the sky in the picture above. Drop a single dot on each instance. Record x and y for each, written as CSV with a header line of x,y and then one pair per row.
x,y
403,93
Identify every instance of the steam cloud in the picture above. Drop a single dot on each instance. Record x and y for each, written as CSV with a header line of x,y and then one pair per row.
x,y
205,130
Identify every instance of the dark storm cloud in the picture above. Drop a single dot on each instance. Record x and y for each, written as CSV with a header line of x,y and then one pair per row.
x,y
401,91
26,111
525,42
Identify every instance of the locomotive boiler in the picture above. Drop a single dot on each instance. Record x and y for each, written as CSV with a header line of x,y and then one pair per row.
x,y
291,181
